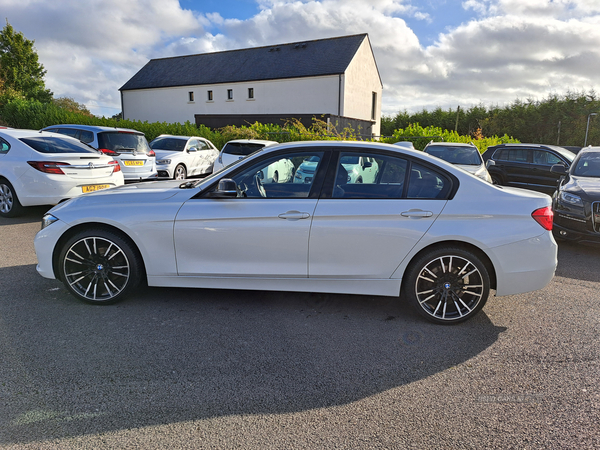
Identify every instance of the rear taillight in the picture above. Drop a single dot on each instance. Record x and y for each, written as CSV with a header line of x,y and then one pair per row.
x,y
116,166
109,152
544,217
48,167
151,154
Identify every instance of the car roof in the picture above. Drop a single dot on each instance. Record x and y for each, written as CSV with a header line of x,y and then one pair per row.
x,y
180,137
91,128
589,149
18,133
451,144
251,141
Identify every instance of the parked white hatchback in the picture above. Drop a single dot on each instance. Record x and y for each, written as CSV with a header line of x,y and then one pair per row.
x,y
40,168
128,147
238,149
179,157
465,156
436,236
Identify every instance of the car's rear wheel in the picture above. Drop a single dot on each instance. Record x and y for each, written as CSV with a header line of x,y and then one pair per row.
x,y
99,266
447,285
180,173
10,206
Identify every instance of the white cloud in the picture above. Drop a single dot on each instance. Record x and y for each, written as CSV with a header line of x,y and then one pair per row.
x,y
513,48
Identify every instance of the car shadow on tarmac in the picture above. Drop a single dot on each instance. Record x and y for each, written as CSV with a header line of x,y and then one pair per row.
x,y
170,355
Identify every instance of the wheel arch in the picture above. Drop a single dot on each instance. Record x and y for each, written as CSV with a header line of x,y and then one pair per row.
x,y
485,259
85,226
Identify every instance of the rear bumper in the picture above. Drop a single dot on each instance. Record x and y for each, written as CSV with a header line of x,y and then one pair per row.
x,y
525,266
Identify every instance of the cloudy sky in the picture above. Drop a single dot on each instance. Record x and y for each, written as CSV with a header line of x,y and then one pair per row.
x,y
430,53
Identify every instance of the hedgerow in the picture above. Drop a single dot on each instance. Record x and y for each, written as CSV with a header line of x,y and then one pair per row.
x,y
20,113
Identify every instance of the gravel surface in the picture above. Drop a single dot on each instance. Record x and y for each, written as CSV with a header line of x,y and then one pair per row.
x,y
216,369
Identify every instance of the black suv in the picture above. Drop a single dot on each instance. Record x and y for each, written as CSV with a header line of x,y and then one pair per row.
x,y
526,165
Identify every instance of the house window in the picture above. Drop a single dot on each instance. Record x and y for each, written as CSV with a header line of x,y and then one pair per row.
x,y
374,106
191,96
210,96
229,94
250,93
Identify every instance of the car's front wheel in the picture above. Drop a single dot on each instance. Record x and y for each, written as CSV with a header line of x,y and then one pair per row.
x,y
99,266
447,285
180,173
10,206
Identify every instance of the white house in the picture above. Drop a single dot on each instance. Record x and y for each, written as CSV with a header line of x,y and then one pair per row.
x,y
333,79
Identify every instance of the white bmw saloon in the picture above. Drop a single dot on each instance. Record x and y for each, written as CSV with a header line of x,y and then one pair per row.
x,y
432,234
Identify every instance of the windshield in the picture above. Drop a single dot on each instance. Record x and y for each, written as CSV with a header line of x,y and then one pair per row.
x,y
588,165
57,145
466,155
123,140
168,143
240,148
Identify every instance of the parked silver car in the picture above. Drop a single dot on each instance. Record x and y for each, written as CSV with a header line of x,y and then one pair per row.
x,y
128,147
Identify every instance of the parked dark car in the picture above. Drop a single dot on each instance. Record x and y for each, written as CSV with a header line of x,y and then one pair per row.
x,y
576,203
526,165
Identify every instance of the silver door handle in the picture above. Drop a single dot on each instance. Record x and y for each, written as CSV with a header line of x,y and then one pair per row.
x,y
417,213
294,215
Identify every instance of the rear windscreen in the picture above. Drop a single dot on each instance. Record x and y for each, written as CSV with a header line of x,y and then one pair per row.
x,y
238,148
122,141
57,145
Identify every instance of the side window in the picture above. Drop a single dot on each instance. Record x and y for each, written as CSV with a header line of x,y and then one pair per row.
x,y
201,145
4,146
517,155
427,183
288,176
553,159
373,176
501,155
86,136
69,132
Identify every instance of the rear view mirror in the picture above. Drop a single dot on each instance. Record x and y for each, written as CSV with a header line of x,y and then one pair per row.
x,y
490,162
227,188
559,169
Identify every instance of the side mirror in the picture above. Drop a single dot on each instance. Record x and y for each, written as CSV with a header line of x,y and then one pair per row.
x,y
559,169
489,162
192,149
227,188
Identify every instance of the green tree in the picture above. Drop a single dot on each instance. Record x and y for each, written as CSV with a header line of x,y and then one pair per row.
x,y
71,105
20,71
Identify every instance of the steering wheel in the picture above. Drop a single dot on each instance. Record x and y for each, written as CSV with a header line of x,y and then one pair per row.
x,y
259,185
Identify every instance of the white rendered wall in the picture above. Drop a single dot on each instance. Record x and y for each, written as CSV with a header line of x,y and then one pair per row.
x,y
297,95
360,81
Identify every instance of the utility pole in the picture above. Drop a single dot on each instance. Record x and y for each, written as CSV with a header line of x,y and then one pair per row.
x,y
558,137
457,112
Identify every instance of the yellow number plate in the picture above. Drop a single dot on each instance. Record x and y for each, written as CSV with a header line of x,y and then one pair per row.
x,y
133,163
94,187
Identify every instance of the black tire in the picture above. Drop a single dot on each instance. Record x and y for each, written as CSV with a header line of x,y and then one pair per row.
x,y
99,266
180,173
447,285
497,180
10,206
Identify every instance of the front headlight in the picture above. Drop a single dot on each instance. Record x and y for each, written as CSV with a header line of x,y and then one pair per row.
x,y
571,199
48,220
163,161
